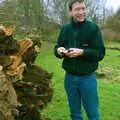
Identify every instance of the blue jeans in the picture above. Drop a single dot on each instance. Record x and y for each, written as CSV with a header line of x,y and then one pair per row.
x,y
82,90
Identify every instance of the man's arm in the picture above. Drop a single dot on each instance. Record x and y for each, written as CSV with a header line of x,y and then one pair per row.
x,y
96,51
60,44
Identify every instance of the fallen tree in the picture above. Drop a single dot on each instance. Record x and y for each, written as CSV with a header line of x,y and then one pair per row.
x,y
30,83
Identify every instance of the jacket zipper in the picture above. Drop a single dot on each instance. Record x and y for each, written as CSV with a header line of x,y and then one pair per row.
x,y
74,45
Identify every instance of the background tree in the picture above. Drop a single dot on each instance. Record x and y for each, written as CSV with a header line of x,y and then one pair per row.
x,y
96,10
111,27
45,17
27,15
8,14
113,21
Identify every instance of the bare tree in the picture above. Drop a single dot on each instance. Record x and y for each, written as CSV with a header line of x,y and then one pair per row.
x,y
113,21
28,15
96,10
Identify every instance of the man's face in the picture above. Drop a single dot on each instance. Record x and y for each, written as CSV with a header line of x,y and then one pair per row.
x,y
78,11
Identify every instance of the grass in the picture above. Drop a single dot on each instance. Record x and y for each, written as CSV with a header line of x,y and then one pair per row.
x,y
112,44
108,87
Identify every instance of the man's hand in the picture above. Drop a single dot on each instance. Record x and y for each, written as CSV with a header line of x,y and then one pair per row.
x,y
61,51
74,52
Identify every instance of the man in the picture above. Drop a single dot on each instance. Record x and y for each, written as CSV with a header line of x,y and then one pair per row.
x,y
81,47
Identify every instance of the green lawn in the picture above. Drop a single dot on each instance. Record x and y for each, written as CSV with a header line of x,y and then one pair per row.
x,y
108,86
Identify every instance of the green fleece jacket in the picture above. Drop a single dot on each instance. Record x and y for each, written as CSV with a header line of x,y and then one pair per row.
x,y
84,35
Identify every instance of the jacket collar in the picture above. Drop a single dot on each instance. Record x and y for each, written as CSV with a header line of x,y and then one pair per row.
x,y
77,24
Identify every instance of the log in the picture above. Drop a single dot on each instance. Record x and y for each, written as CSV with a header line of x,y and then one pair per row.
x,y
31,85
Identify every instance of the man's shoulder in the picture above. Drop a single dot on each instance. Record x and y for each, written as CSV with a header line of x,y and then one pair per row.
x,y
92,24
89,21
67,26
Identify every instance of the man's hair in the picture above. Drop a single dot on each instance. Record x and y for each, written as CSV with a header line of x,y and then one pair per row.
x,y
72,2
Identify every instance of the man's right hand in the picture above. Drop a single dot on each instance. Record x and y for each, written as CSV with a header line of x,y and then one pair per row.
x,y
61,51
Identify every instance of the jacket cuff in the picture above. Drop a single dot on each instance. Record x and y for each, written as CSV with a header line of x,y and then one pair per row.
x,y
87,52
58,55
